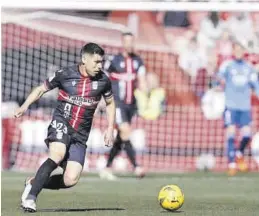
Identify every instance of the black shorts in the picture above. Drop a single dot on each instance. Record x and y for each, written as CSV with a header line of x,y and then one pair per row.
x,y
125,112
60,130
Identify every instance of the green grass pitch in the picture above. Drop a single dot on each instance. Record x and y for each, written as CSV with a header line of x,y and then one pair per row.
x,y
206,194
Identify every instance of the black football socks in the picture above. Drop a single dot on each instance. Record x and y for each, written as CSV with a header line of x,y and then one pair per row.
x,y
130,152
116,148
41,178
56,182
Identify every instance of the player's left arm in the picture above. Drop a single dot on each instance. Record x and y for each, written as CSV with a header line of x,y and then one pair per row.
x,y
254,82
110,110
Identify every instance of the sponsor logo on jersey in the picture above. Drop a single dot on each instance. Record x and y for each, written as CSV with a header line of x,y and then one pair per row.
x,y
82,101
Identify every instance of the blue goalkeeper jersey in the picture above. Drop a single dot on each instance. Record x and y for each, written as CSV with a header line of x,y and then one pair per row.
x,y
240,79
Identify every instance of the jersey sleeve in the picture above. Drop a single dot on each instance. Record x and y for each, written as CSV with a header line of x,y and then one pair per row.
x,y
221,76
222,73
54,81
107,93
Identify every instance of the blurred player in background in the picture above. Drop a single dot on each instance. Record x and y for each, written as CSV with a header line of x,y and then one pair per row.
x,y
126,70
80,87
237,77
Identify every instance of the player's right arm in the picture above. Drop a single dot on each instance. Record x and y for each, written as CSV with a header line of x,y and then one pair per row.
x,y
35,95
221,76
37,92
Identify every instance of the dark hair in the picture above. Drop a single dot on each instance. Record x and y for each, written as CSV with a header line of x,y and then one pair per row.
x,y
92,48
127,33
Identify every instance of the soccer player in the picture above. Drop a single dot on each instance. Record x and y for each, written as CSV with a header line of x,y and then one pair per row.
x,y
238,78
126,70
81,87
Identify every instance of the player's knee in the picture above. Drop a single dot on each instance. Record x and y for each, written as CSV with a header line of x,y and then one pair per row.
x,y
231,131
125,136
57,151
72,173
71,179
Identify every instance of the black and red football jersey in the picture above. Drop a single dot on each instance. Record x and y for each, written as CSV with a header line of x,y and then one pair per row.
x,y
123,72
78,96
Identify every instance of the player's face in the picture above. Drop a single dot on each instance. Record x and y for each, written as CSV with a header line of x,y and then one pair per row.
x,y
238,51
128,43
93,64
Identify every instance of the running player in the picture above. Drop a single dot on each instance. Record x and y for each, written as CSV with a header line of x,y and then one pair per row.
x,y
81,87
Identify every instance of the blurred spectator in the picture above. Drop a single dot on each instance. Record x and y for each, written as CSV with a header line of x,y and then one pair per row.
x,y
211,29
212,63
224,15
256,38
176,19
150,103
203,79
192,59
241,27
179,43
173,18
224,47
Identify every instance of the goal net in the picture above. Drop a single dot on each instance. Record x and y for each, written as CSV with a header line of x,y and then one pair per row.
x,y
34,46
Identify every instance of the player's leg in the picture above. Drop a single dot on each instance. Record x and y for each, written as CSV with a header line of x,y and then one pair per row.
x,y
121,117
57,151
230,121
230,134
106,173
115,150
125,132
54,179
57,141
72,166
75,164
245,121
246,137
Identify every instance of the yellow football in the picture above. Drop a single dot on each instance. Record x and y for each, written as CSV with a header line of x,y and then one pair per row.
x,y
171,197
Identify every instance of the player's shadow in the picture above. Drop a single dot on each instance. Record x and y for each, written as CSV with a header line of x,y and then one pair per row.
x,y
79,209
172,212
